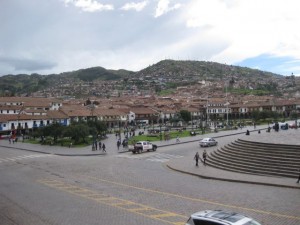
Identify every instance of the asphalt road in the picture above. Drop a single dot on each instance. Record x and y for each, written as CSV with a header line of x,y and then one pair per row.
x,y
38,189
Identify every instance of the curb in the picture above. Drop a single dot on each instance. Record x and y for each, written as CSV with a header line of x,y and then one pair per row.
x,y
49,153
232,180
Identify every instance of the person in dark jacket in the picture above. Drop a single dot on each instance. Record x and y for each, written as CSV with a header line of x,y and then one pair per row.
x,y
204,155
196,157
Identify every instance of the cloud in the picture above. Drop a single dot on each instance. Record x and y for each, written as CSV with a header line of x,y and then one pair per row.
x,y
251,28
135,6
163,7
89,5
25,65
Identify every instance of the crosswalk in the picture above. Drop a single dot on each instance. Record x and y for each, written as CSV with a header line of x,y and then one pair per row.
x,y
154,157
23,157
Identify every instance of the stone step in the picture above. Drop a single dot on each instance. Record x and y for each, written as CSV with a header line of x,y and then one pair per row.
x,y
257,158
254,172
265,149
268,154
214,162
253,163
266,159
268,145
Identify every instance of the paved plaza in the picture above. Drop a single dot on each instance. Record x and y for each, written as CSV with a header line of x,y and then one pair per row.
x,y
186,164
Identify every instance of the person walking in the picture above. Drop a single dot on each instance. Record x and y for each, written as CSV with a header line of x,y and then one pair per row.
x,y
100,144
204,155
298,177
96,145
118,144
103,147
177,139
196,157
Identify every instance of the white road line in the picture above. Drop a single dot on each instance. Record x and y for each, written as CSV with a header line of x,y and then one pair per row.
x,y
154,157
24,157
171,156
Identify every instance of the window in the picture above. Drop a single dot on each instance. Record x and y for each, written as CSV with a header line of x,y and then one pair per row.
x,y
203,222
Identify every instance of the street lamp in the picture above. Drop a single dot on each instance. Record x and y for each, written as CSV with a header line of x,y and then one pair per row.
x,y
160,134
226,104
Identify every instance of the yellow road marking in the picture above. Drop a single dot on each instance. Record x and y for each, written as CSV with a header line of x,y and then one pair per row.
x,y
197,200
138,209
164,215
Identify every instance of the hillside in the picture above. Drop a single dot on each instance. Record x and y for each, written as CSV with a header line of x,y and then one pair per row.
x,y
166,71
24,83
204,70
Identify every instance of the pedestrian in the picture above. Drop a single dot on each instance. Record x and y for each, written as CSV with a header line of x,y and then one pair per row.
x,y
100,145
177,139
96,145
70,145
9,140
196,157
204,155
118,144
103,147
298,177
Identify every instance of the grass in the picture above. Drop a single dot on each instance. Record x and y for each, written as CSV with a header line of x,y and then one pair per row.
x,y
172,135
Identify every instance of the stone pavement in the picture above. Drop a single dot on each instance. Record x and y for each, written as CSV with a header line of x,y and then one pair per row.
x,y
187,164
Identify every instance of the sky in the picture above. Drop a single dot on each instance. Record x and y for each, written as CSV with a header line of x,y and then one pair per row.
x,y
55,36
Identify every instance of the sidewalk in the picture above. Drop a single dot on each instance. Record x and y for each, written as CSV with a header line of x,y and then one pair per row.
x,y
54,150
187,164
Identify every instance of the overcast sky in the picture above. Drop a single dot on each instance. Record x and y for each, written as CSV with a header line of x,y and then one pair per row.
x,y
54,36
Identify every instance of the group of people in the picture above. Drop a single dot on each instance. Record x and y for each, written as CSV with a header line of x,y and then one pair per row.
x,y
101,145
204,156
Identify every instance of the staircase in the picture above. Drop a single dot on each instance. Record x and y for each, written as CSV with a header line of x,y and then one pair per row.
x,y
257,158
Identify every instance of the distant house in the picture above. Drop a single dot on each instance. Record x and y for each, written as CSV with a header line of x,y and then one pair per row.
x,y
145,115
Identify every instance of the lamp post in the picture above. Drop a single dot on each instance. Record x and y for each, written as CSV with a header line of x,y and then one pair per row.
x,y
160,134
226,104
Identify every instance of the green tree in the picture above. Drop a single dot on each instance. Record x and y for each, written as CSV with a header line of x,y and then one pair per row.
x,y
54,130
185,115
255,115
100,126
78,132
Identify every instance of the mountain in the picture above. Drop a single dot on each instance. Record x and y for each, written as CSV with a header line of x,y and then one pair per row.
x,y
182,72
204,70
24,83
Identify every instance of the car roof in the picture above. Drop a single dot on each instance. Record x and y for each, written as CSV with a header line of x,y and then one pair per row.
x,y
206,139
226,217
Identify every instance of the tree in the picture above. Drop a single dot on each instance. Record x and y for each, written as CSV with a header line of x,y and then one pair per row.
x,y
54,130
77,131
185,115
99,126
255,115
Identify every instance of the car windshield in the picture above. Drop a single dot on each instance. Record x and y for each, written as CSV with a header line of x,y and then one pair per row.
x,y
231,217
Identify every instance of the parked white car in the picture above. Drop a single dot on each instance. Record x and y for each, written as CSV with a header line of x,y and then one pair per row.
x,y
207,142
219,217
